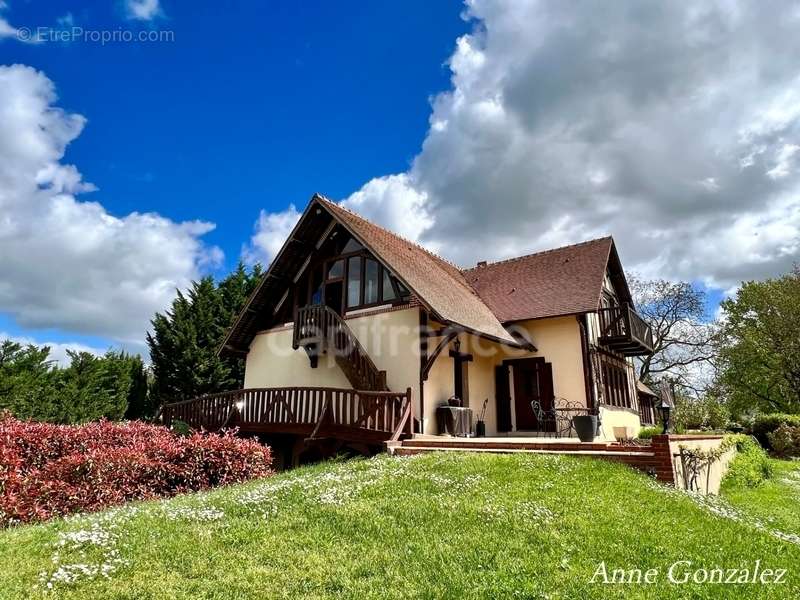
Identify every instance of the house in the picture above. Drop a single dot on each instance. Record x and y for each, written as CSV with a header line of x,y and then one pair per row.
x,y
354,326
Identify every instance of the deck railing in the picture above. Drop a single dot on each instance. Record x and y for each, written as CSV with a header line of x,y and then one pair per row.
x,y
319,327
621,325
301,410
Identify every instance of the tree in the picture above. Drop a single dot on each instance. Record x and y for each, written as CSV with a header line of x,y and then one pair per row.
x,y
27,381
184,341
760,346
98,386
682,335
91,387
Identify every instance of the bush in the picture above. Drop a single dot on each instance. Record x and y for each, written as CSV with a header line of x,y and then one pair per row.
x,y
50,470
785,440
645,433
700,414
750,467
766,424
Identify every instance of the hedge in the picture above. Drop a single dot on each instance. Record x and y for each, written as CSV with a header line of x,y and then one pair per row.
x,y
50,470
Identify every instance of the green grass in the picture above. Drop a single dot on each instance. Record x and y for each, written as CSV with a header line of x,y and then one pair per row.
x,y
775,502
434,526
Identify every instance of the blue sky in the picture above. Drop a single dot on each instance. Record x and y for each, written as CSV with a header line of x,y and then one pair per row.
x,y
482,129
255,105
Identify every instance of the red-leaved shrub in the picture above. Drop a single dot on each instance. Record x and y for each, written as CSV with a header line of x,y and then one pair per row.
x,y
49,470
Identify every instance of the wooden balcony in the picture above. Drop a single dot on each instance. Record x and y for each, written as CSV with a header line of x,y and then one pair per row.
x,y
368,417
623,330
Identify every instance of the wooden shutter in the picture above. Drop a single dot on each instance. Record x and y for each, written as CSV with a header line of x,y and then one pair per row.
x,y
502,398
546,385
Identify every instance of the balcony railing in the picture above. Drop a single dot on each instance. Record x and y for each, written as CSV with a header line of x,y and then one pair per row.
x,y
351,415
624,331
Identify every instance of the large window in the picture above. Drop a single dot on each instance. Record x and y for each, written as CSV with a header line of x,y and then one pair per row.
x,y
354,282
350,278
615,384
388,288
371,281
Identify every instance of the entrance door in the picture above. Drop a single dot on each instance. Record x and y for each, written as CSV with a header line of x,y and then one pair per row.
x,y
533,381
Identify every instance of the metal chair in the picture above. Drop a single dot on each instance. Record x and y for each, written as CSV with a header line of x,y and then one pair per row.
x,y
545,418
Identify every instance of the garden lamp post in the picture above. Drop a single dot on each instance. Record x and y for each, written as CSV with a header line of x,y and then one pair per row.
x,y
665,403
665,408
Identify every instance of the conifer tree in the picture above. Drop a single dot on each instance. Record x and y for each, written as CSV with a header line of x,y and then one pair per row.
x,y
185,339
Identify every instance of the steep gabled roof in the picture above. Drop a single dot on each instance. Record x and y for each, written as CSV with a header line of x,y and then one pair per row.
x,y
562,281
438,285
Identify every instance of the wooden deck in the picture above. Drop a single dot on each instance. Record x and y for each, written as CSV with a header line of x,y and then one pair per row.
x,y
365,417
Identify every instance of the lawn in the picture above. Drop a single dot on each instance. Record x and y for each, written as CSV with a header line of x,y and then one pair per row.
x,y
436,526
775,503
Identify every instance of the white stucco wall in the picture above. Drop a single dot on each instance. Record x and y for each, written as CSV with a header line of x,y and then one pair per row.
x,y
612,417
390,338
557,340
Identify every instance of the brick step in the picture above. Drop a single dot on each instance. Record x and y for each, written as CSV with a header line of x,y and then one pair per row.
x,y
525,446
639,457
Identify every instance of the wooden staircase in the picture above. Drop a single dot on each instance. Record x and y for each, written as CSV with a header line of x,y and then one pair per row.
x,y
319,330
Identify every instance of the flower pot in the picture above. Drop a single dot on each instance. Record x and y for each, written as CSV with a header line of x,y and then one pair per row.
x,y
454,402
480,429
585,427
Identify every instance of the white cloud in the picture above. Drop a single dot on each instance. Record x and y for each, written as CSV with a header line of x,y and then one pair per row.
x,y
143,10
6,29
393,199
69,264
58,350
672,126
271,231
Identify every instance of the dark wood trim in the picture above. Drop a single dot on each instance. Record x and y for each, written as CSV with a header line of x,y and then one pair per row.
x,y
423,359
588,386
270,274
437,351
502,397
461,356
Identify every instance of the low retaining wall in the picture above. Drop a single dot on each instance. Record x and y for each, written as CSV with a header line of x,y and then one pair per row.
x,y
668,466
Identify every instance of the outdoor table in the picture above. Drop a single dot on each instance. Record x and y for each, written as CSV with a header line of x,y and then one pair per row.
x,y
454,420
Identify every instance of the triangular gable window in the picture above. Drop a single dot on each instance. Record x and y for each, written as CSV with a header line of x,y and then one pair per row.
x,y
352,246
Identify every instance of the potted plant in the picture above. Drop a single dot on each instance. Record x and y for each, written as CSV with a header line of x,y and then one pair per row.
x,y
585,427
480,425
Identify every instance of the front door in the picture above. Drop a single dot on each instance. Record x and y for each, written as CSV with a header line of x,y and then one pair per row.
x,y
533,381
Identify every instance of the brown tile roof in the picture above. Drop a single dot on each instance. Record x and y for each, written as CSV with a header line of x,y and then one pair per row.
x,y
438,283
556,282
563,281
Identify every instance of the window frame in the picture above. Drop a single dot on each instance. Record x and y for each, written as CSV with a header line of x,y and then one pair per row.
x,y
325,264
